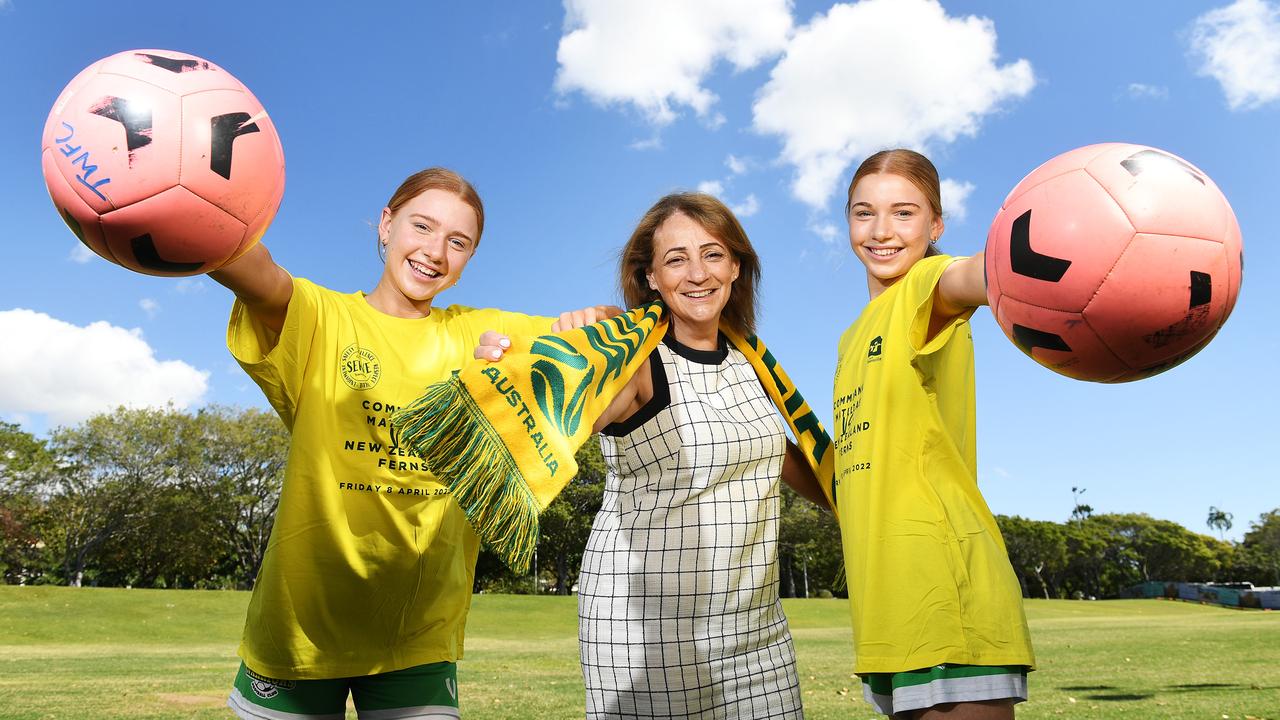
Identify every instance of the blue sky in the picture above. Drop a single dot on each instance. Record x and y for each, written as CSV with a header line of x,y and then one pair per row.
x,y
572,119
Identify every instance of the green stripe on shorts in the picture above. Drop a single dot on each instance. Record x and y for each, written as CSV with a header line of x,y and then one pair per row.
x,y
886,683
911,690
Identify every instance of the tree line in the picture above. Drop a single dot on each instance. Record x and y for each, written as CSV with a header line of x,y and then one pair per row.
x,y
1100,555
141,498
166,498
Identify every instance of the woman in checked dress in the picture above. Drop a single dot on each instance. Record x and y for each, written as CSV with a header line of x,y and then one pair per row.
x,y
678,598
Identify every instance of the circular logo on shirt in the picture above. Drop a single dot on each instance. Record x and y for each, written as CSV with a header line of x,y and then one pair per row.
x,y
264,690
359,367
265,687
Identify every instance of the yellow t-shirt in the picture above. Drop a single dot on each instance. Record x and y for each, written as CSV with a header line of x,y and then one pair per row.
x,y
929,578
370,563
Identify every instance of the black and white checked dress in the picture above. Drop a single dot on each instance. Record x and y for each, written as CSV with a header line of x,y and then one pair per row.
x,y
678,610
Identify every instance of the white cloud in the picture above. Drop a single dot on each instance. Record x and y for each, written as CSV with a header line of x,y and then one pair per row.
x,y
1239,46
80,253
711,187
190,286
653,143
825,230
655,55
1142,91
67,373
955,195
877,74
149,306
736,165
748,207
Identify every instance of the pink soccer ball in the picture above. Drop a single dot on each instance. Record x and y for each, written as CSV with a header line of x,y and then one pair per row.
x,y
1113,262
162,162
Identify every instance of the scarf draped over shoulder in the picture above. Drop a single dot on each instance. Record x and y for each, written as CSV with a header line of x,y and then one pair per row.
x,y
502,435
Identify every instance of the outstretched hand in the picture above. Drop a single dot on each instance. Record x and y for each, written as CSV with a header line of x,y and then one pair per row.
x,y
493,344
585,316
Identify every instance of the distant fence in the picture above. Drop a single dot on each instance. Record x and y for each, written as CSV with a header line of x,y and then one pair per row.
x,y
1259,598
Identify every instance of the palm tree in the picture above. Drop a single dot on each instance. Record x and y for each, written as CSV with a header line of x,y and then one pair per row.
x,y
1219,520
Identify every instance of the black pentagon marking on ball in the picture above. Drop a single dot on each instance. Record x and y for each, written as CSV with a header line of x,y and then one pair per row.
x,y
226,128
1143,159
174,65
1201,288
1026,261
1029,338
135,118
144,251
74,225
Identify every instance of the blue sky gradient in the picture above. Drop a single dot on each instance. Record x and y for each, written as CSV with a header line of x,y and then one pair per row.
x,y
569,151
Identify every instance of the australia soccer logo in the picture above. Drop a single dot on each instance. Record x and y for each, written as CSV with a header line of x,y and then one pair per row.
x,y
359,367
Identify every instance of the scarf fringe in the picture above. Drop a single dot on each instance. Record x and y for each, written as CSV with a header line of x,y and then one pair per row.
x,y
464,451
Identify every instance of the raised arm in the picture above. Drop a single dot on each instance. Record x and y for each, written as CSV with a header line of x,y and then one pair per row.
x,y
963,285
263,286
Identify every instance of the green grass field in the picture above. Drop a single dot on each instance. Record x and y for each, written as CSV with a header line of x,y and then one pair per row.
x,y
106,653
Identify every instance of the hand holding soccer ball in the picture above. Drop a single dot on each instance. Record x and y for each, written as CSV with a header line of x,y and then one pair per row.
x,y
162,162
1113,262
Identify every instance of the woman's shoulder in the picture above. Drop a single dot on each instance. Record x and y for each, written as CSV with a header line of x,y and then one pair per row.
x,y
928,270
919,283
466,312
316,292
453,312
308,293
933,263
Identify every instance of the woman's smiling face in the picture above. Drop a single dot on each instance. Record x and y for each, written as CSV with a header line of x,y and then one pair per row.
x,y
693,271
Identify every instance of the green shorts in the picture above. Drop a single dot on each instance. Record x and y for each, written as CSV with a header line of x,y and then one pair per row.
x,y
904,692
426,691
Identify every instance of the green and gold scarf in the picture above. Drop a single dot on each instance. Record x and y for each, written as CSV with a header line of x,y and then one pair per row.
x,y
502,435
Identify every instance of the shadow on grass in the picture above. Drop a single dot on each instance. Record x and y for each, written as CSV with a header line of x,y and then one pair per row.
x,y
1087,687
1120,697
1197,687
1131,696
